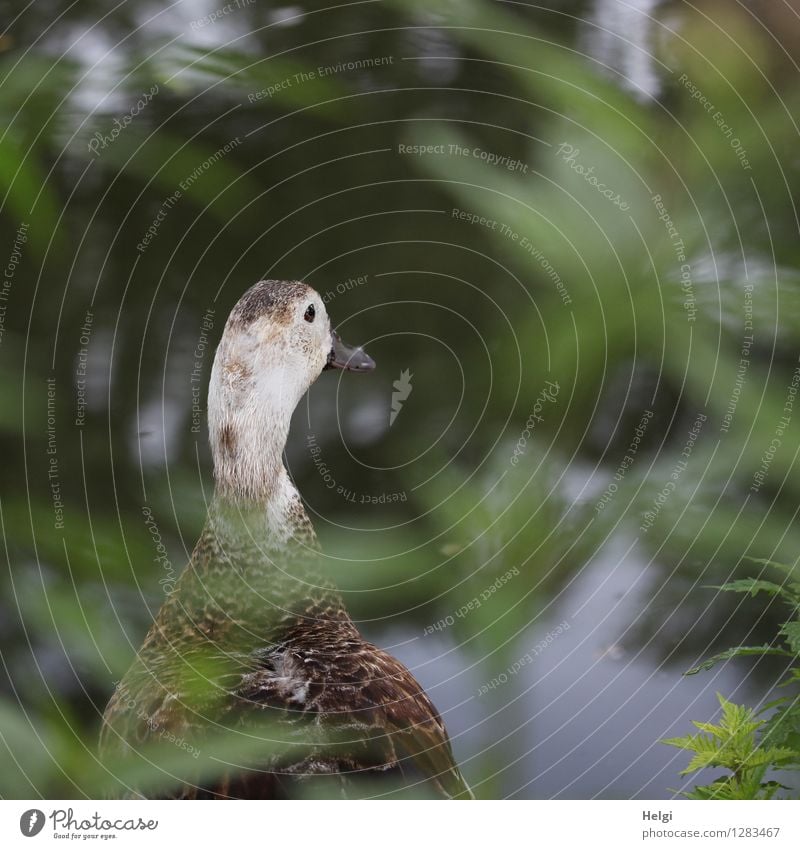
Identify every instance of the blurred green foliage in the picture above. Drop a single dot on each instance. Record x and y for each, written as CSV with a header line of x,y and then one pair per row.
x,y
316,188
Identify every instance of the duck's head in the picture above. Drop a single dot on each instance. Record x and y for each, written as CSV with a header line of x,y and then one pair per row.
x,y
277,341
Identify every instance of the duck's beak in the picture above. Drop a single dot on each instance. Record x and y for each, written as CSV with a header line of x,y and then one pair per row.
x,y
346,357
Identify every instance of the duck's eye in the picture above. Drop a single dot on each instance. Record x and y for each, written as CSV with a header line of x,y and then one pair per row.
x,y
310,313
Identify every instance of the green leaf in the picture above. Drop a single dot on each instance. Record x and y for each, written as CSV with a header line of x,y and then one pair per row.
x,y
791,630
792,588
773,704
703,760
734,717
710,728
752,586
766,757
738,651
693,743
763,562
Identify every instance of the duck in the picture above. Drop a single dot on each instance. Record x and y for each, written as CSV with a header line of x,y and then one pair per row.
x,y
253,681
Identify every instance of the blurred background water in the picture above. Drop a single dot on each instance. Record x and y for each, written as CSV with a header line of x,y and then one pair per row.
x,y
567,235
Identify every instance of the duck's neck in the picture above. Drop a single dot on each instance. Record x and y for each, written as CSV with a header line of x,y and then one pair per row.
x,y
252,484
247,449
275,520
263,559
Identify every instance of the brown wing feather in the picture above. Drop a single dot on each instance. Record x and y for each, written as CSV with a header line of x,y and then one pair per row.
x,y
410,719
352,717
375,717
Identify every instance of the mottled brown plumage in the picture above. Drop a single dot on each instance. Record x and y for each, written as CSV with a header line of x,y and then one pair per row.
x,y
253,682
